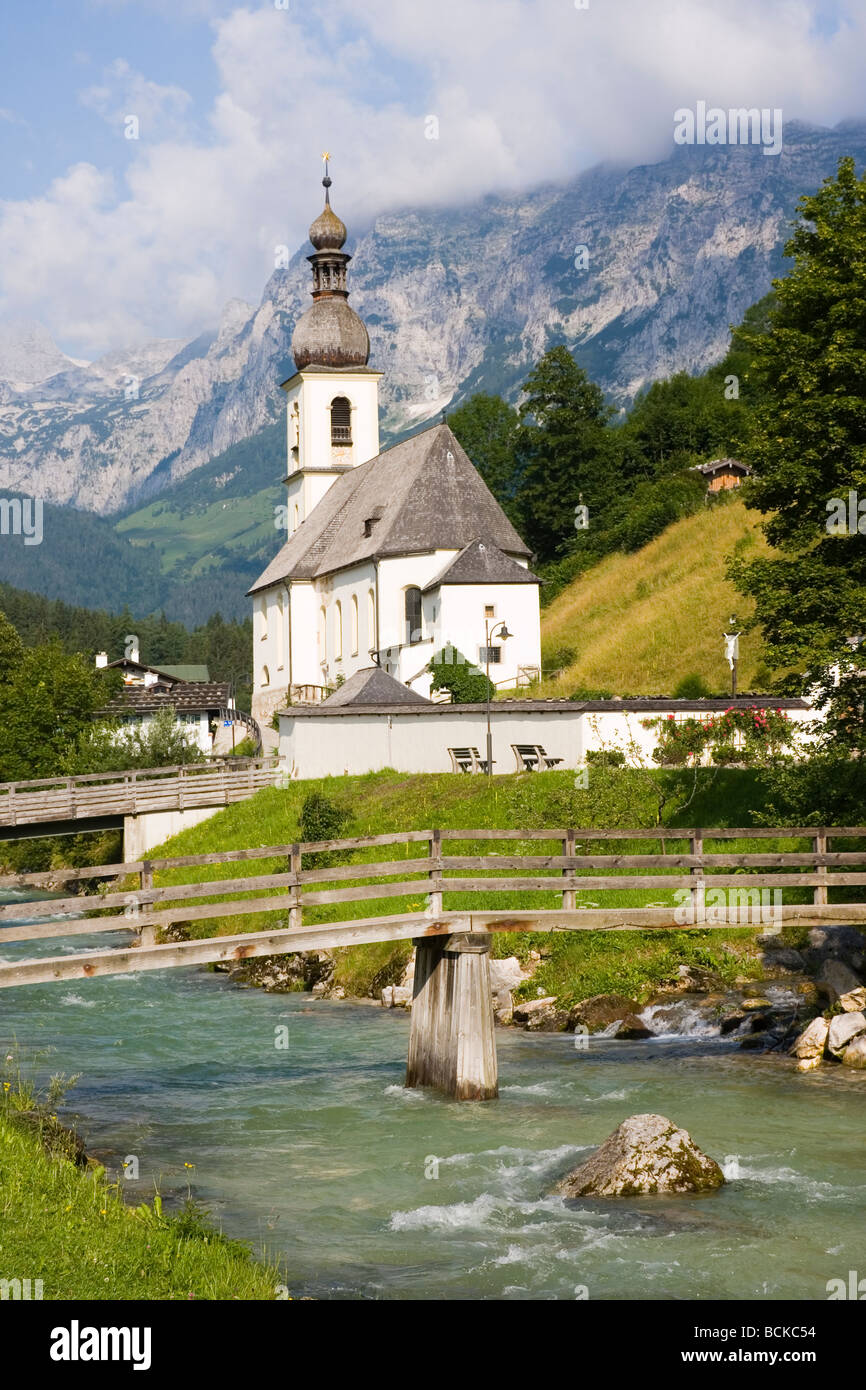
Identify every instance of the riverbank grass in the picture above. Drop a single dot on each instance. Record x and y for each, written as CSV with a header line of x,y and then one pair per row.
x,y
64,1224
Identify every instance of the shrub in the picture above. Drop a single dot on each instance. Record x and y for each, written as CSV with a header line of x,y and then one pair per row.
x,y
606,757
587,693
692,687
322,819
466,684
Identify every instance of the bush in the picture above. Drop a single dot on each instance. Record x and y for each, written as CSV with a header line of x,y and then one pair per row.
x,y
692,687
322,819
606,757
557,659
466,684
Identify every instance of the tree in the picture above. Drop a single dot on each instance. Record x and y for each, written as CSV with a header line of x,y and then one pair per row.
x,y
49,699
809,448
566,453
111,747
11,649
487,427
466,684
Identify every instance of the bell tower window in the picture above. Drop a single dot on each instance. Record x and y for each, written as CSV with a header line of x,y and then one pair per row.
x,y
341,420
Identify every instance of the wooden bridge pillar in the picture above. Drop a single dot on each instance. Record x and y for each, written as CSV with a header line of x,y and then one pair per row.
x,y
451,1042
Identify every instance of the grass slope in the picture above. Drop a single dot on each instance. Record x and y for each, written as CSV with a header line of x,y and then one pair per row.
x,y
639,623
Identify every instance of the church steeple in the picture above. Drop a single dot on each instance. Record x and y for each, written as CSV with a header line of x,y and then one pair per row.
x,y
330,333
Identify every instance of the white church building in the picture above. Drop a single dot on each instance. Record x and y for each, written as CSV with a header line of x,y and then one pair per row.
x,y
391,556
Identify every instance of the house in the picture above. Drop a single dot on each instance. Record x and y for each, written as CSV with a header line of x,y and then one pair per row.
x,y
390,556
722,474
204,707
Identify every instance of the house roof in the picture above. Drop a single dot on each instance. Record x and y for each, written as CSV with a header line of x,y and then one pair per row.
x,y
177,673
421,495
373,686
721,466
481,562
188,696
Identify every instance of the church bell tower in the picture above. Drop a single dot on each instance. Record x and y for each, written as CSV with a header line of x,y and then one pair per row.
x,y
333,398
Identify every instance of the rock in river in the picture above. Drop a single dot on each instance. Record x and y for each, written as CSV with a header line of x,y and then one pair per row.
x,y
647,1154
843,1028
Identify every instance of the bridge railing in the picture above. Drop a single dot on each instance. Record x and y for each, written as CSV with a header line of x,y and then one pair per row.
x,y
134,791
425,891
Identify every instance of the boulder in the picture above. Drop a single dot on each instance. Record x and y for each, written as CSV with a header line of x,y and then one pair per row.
x,y
855,1053
809,1063
841,943
632,1027
838,982
541,1015
782,960
646,1154
397,997
694,979
506,974
843,1028
600,1010
812,1040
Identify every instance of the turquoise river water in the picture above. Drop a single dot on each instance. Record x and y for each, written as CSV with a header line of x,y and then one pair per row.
x,y
303,1141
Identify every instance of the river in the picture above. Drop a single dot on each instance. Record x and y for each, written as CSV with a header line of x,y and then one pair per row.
x,y
302,1140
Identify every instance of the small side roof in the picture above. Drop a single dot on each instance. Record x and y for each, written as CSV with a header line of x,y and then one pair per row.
x,y
373,686
482,562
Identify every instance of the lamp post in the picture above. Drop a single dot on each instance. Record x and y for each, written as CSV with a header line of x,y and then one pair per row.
x,y
732,651
489,634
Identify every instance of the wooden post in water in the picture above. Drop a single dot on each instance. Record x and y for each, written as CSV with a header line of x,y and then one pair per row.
x,y
451,1042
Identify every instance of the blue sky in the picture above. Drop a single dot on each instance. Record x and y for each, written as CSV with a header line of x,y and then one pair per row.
x,y
109,241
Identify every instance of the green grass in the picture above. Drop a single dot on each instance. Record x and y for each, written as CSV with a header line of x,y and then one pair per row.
x,y
67,1225
574,965
639,623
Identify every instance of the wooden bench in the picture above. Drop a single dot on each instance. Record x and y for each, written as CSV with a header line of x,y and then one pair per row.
x,y
531,756
467,760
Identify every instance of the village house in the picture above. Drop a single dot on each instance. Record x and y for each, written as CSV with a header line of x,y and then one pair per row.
x,y
204,708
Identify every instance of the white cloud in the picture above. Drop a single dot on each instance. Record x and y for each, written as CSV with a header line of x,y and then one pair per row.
x,y
523,90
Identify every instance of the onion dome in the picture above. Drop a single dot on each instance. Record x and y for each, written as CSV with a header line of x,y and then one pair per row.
x,y
330,333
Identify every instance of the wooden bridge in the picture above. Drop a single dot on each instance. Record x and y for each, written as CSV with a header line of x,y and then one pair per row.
x,y
443,902
124,800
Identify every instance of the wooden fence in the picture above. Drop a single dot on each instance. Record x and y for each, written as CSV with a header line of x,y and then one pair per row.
x,y
216,783
426,872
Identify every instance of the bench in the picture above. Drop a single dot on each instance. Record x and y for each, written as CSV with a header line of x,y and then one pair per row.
x,y
467,760
531,756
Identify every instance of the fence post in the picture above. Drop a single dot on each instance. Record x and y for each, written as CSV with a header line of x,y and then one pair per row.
x,y
434,905
819,897
568,894
696,848
13,810
295,897
147,934
180,789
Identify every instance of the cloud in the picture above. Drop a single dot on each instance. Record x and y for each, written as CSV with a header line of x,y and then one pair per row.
x,y
522,91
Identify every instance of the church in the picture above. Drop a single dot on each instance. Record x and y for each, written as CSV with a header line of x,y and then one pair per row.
x,y
390,556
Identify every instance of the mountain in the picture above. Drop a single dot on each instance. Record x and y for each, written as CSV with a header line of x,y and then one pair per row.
x,y
641,623
456,300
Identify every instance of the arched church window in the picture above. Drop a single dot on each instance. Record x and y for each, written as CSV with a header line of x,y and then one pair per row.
x,y
413,615
341,420
354,618
371,620
266,676
338,631
323,634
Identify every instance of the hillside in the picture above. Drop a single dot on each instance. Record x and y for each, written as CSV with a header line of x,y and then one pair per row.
x,y
639,623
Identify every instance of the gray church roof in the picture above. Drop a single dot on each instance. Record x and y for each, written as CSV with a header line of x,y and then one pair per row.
x,y
421,495
481,562
373,686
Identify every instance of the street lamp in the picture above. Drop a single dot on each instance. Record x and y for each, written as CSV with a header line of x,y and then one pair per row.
x,y
489,634
732,650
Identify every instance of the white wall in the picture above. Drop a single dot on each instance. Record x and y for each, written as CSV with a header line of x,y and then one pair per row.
x,y
323,745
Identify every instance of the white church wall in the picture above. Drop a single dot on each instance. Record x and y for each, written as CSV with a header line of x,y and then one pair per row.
x,y
462,623
314,391
330,746
343,640
357,742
